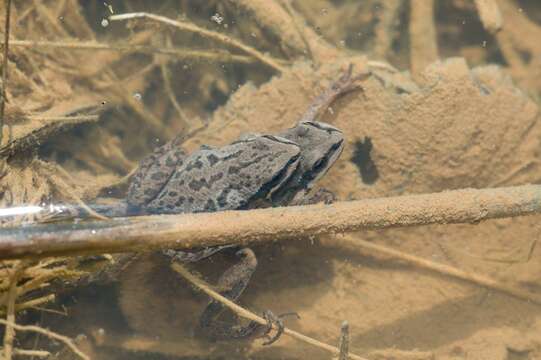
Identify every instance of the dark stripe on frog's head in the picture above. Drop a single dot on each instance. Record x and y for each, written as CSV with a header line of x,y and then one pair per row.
x,y
321,144
286,170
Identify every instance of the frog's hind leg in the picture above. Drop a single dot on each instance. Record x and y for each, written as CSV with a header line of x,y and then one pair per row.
x,y
231,285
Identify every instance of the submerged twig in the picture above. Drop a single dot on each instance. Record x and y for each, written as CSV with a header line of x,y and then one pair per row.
x,y
50,170
251,316
49,125
186,231
343,344
64,339
383,31
169,90
274,18
76,118
186,26
357,244
179,53
423,41
33,303
5,68
490,15
32,353
491,18
9,333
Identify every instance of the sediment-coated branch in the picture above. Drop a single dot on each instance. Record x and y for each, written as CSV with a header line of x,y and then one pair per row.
x,y
186,231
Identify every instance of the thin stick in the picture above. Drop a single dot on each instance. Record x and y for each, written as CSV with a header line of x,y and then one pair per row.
x,y
491,18
36,353
423,42
274,18
32,303
76,118
5,68
217,55
471,277
343,344
490,15
64,339
265,59
186,231
9,333
55,169
384,32
509,51
251,316
169,90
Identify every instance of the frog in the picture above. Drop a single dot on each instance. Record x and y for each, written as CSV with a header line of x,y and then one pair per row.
x,y
255,171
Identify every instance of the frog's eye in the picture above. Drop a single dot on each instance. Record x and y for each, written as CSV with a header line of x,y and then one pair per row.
x,y
318,165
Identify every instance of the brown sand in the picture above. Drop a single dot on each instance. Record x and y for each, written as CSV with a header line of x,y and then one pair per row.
x,y
457,128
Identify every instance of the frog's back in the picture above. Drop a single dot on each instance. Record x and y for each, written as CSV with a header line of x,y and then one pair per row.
x,y
227,178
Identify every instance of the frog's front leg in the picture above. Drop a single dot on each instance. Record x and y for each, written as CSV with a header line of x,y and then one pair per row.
x,y
318,196
231,285
346,83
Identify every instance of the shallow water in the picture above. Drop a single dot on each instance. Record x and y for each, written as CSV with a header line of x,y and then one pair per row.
x,y
452,103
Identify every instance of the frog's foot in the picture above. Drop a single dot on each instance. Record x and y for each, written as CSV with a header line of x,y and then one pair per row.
x,y
230,285
274,321
345,84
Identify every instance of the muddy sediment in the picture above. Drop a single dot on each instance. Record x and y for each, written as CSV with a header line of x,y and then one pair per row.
x,y
462,114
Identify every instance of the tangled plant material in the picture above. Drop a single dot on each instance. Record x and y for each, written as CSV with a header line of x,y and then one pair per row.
x,y
25,280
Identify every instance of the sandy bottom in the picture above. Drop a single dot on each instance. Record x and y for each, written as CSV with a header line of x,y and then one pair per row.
x,y
455,127
450,126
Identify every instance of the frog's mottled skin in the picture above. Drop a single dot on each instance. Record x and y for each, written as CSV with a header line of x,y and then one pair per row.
x,y
231,177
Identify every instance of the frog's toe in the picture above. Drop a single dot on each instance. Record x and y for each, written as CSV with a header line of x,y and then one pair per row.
x,y
272,321
275,321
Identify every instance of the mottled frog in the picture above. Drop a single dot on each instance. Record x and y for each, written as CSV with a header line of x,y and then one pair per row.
x,y
252,172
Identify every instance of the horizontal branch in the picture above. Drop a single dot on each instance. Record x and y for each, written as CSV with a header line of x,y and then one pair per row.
x,y
186,231
179,53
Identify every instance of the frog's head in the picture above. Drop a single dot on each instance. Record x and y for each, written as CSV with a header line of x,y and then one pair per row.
x,y
320,146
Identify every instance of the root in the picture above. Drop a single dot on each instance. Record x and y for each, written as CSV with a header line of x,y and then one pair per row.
x,y
50,334
9,333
